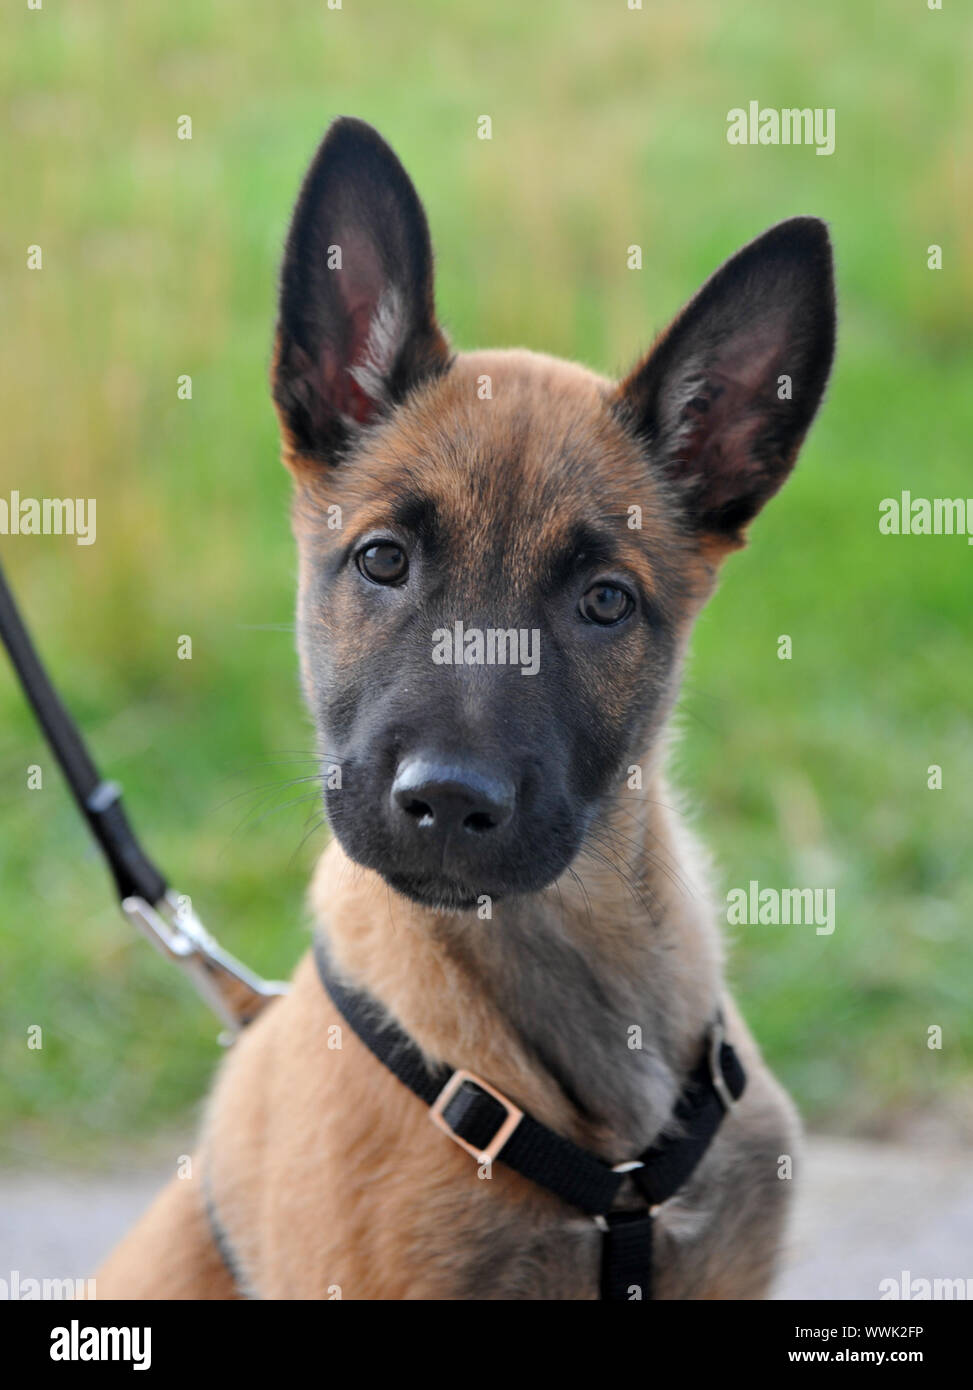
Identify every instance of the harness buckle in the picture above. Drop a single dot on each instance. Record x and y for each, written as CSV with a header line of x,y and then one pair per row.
x,y
717,1037
507,1126
232,991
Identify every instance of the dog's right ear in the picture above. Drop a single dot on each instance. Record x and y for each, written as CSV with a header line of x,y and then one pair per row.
x,y
357,324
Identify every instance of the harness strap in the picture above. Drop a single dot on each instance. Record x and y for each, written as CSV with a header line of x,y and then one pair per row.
x,y
489,1126
698,1113
626,1255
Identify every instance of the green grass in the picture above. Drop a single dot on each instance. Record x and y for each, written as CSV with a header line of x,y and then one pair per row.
x,y
160,258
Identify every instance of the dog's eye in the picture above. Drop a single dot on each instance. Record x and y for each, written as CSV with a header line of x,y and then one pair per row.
x,y
605,604
384,563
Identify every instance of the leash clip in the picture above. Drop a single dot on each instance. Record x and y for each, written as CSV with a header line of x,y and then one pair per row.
x,y
234,993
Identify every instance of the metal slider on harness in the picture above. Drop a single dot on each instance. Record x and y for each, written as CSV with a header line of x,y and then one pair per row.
x,y
482,1152
235,993
717,1038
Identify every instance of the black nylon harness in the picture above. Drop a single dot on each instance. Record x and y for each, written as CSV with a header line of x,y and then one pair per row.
x,y
489,1126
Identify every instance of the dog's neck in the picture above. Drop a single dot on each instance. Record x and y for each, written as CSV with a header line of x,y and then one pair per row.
x,y
587,1002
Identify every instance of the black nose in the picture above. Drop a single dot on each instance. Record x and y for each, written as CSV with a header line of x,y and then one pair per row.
x,y
439,796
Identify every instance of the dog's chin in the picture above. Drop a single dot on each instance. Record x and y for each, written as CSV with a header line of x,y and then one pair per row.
x,y
442,894
438,894
441,891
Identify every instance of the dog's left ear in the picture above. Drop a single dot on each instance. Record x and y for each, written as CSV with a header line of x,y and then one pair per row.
x,y
357,326
726,396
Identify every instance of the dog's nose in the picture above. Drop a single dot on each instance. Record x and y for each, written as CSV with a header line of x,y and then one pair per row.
x,y
443,796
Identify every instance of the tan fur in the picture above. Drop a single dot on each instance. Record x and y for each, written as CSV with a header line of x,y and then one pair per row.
x,y
170,1252
325,1170
326,1174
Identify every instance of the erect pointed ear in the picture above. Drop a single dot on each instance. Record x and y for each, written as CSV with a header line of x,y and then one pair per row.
x,y
357,325
726,396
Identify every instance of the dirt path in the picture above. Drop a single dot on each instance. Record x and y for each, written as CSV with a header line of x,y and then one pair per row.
x,y
867,1212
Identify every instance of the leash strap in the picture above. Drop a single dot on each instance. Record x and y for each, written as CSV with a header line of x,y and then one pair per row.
x,y
489,1126
100,802
166,919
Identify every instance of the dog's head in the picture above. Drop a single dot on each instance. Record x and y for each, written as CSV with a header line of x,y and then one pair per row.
x,y
501,553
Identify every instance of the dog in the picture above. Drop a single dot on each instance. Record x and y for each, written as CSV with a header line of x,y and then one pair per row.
x,y
508,886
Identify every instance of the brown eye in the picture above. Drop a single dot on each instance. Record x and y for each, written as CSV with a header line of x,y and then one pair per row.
x,y
383,563
605,604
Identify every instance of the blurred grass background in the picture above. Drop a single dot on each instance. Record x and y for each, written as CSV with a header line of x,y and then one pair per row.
x,y
160,257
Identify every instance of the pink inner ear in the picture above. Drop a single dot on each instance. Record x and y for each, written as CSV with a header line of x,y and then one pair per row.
x,y
723,421
748,358
340,389
359,285
721,428
349,398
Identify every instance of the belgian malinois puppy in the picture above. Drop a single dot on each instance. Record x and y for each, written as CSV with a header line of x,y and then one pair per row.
x,y
495,883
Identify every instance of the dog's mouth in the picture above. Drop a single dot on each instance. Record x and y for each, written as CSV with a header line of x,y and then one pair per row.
x,y
440,894
452,868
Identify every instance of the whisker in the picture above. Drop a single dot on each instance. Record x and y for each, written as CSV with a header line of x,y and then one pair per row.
x,y
600,835
268,786
580,882
667,868
267,798
601,857
282,806
315,827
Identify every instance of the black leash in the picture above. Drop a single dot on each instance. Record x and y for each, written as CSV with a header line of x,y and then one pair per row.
x,y
489,1126
99,801
164,917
